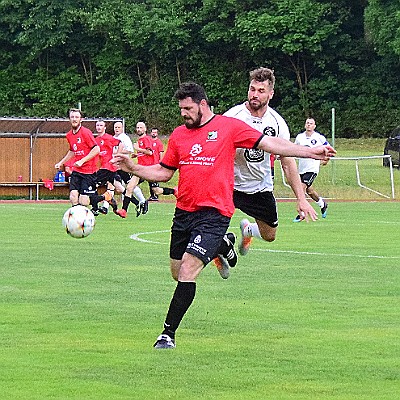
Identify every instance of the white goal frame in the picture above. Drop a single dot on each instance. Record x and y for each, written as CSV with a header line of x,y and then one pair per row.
x,y
359,183
358,172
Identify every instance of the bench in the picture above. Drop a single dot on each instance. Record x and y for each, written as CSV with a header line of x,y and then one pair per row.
x,y
32,186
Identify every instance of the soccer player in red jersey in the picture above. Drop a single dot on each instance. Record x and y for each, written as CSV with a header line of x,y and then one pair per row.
x,y
144,146
82,146
107,172
158,152
144,153
203,150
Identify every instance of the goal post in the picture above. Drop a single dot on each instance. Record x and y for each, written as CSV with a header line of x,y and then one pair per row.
x,y
358,174
358,177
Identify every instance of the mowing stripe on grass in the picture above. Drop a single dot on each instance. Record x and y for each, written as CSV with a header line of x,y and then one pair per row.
x,y
313,253
308,253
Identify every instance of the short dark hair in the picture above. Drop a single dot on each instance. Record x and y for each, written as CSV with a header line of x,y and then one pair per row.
x,y
193,90
263,74
71,110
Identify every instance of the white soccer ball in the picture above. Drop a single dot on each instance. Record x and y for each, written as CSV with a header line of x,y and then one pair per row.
x,y
78,221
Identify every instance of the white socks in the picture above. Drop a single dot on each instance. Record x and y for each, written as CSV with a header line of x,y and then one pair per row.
x,y
320,202
253,230
139,194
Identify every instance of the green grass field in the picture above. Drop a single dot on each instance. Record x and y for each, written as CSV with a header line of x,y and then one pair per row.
x,y
338,179
314,315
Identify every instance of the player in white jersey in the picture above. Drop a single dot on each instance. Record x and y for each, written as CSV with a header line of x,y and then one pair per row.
x,y
253,190
129,180
309,168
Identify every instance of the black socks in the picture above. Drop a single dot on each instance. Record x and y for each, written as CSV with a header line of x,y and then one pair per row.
x,y
181,301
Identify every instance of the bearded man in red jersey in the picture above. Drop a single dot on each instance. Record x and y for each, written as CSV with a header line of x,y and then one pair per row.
x,y
203,150
82,146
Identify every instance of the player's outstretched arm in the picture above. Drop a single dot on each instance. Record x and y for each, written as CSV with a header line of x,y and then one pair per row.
x,y
155,173
276,145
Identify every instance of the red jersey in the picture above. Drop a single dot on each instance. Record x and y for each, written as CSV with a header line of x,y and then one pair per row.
x,y
107,143
144,142
205,157
157,146
81,143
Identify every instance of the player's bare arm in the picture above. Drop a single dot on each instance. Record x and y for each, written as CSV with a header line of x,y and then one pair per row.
x,y
121,149
276,145
156,173
138,149
66,158
304,208
93,153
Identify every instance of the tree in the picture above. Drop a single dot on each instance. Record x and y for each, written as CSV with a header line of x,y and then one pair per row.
x,y
382,26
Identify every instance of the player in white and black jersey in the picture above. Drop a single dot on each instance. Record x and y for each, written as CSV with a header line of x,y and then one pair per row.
x,y
309,168
128,180
253,190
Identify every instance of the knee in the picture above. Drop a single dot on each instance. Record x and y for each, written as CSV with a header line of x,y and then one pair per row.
x,y
84,200
175,275
269,238
74,197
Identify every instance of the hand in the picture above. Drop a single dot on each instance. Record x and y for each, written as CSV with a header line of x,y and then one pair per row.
x,y
78,163
58,166
123,161
306,211
323,153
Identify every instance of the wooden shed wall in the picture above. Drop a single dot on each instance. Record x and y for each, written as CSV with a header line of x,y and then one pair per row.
x,y
15,157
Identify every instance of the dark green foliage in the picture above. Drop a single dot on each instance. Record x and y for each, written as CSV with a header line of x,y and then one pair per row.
x,y
126,58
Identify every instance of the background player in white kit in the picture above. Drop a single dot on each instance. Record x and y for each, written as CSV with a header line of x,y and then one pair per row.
x,y
129,180
253,190
309,168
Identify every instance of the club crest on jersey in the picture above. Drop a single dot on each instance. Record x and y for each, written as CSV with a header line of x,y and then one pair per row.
x,y
269,131
197,239
254,155
196,150
78,140
212,136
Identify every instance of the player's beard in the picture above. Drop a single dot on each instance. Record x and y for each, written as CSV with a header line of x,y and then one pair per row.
x,y
193,123
256,104
75,125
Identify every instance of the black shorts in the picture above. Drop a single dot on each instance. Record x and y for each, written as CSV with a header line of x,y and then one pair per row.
x,y
308,178
260,205
123,176
198,233
83,183
103,176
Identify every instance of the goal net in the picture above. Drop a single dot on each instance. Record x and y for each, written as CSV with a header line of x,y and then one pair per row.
x,y
353,178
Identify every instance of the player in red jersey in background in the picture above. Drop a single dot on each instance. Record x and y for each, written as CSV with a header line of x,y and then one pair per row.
x,y
144,152
158,152
144,146
82,146
203,150
107,172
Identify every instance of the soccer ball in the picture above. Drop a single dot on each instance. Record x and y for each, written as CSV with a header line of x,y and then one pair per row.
x,y
78,221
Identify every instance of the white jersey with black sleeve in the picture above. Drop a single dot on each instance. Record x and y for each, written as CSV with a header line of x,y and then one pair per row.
x,y
253,166
314,140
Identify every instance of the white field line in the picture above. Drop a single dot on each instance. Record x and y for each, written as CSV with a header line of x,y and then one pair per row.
x,y
137,237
